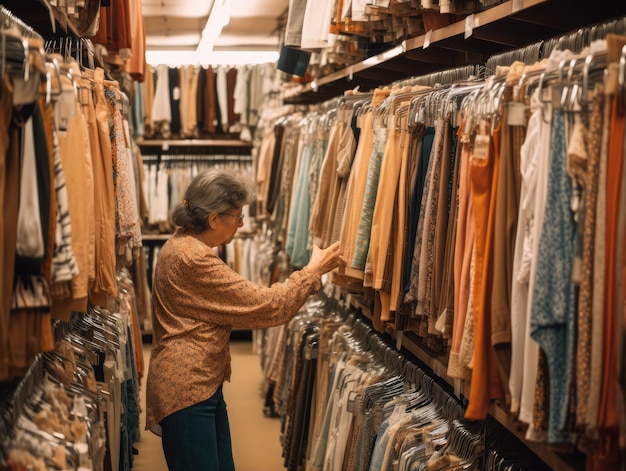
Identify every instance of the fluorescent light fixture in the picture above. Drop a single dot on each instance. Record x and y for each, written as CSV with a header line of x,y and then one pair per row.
x,y
178,58
219,17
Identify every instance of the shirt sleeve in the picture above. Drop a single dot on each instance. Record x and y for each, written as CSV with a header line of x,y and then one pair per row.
x,y
201,286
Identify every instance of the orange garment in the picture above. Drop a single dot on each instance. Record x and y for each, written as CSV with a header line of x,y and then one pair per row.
x,y
104,198
401,214
607,415
335,23
136,64
464,247
77,168
326,200
382,217
115,30
485,382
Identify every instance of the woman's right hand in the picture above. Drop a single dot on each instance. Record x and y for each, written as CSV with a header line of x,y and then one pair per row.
x,y
324,260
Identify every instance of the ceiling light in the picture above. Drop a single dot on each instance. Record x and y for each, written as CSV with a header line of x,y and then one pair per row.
x,y
219,17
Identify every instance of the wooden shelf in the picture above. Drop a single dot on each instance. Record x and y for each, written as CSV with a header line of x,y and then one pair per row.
x,y
166,144
43,18
510,25
214,148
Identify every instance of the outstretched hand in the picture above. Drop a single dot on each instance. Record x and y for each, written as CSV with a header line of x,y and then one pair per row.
x,y
324,260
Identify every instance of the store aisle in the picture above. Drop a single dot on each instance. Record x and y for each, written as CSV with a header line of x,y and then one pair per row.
x,y
256,438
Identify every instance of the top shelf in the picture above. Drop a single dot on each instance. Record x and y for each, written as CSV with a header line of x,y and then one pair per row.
x,y
504,27
165,144
45,19
195,146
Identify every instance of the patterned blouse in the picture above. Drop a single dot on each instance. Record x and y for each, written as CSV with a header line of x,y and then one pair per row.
x,y
197,299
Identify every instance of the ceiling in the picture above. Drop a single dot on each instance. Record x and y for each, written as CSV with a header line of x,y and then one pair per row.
x,y
178,24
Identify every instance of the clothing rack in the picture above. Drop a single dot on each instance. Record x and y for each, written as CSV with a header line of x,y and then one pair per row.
x,y
583,37
10,20
473,442
572,75
443,77
82,49
184,158
527,54
575,41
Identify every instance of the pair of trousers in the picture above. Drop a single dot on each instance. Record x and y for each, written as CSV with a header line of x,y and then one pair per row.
x,y
198,437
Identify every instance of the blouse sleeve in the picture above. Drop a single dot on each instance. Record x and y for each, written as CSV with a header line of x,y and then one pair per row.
x,y
201,286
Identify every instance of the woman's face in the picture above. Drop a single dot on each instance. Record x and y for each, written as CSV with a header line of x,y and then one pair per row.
x,y
228,223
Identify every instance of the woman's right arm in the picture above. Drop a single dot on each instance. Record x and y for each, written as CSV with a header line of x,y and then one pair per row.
x,y
325,260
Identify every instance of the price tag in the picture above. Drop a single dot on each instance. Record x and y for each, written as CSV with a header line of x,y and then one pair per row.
x,y
427,38
165,146
469,25
516,114
481,147
517,5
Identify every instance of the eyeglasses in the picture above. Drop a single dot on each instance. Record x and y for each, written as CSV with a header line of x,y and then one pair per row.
x,y
239,218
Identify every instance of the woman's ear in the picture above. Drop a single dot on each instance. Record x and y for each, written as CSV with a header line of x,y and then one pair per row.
x,y
212,220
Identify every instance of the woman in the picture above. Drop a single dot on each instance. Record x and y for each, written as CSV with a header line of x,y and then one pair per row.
x,y
196,301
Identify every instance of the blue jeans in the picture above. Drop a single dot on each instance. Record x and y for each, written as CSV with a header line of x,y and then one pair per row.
x,y
198,438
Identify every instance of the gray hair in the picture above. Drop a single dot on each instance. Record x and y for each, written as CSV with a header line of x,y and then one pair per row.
x,y
212,191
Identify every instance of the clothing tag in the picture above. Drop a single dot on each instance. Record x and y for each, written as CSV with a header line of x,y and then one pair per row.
x,y
427,38
556,92
351,403
26,91
176,93
65,108
481,146
469,25
516,113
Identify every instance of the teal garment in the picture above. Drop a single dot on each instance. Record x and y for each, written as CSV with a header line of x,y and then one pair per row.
x,y
553,314
362,244
137,111
382,438
318,152
296,246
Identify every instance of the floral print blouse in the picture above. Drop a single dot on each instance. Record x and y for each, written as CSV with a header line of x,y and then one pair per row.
x,y
196,301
